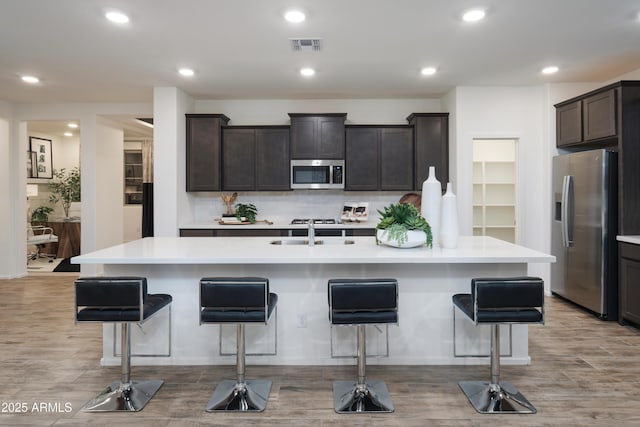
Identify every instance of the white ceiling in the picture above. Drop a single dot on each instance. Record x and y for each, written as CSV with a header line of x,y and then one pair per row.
x,y
371,48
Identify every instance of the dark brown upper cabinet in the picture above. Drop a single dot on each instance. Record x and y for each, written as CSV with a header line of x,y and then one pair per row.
x,y
599,116
431,147
255,158
587,120
379,158
203,143
317,136
569,124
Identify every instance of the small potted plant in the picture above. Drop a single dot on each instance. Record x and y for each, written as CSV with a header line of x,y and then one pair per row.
x,y
246,212
41,214
402,226
65,188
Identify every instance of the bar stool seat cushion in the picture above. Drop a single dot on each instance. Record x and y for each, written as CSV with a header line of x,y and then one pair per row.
x,y
151,305
238,314
465,303
358,317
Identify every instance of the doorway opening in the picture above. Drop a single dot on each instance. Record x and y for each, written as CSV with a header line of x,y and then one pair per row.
x,y
495,188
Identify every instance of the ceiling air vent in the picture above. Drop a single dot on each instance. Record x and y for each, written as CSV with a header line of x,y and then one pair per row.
x,y
305,45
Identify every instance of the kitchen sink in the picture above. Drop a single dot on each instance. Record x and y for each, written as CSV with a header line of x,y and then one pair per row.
x,y
317,242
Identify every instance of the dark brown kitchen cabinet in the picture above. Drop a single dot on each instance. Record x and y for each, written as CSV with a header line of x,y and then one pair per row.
x,y
317,136
255,158
203,142
238,159
587,120
569,124
431,147
379,158
599,116
629,283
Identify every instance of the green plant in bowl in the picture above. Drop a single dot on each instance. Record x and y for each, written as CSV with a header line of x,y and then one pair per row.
x,y
398,219
246,211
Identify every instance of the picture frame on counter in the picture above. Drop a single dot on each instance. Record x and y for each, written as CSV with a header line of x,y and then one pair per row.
x,y
43,165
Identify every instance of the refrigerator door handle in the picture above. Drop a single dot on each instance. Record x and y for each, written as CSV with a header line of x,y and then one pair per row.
x,y
567,211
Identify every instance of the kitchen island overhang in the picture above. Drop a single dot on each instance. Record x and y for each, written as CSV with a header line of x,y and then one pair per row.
x,y
427,279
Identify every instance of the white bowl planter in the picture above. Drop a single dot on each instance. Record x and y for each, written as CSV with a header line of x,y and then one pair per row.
x,y
415,238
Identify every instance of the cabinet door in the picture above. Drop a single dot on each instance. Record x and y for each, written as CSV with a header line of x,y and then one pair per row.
x,y
431,138
396,159
317,136
630,282
203,151
361,159
272,163
569,124
330,142
239,160
599,116
303,137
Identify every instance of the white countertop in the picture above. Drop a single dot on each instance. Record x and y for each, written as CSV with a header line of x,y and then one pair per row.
x,y
629,239
258,250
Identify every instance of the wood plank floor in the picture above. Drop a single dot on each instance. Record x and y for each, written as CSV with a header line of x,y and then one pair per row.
x,y
585,372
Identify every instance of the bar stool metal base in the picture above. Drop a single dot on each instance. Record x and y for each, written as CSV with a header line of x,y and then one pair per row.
x,y
489,398
230,395
129,397
372,396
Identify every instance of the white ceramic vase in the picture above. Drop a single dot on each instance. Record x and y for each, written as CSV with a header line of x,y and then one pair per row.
x,y
431,199
415,238
449,220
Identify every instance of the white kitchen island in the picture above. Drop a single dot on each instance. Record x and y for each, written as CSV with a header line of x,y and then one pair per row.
x,y
427,279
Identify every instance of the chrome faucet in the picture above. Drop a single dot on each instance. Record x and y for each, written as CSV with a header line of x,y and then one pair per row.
x,y
311,234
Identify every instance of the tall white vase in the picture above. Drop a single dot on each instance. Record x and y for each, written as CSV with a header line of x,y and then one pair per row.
x,y
431,199
449,220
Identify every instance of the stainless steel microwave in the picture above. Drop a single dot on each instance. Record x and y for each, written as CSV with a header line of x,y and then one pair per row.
x,y
317,174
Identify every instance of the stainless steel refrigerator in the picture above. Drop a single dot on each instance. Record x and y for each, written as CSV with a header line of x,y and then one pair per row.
x,y
583,231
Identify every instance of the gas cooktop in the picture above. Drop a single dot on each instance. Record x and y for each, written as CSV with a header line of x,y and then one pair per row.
x,y
297,221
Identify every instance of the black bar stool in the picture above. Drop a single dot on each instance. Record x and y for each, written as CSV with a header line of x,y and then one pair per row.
x,y
497,301
124,300
237,300
360,302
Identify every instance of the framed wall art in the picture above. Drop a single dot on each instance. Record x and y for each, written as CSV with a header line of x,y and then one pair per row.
x,y
43,166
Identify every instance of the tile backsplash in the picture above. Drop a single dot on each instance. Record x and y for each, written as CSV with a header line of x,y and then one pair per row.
x,y
294,204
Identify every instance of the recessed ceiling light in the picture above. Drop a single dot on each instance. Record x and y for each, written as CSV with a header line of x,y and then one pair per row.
x,y
428,71
473,15
30,79
72,125
117,17
307,72
550,70
68,134
294,16
187,72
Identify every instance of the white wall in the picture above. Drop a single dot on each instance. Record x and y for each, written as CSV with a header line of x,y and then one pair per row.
x,y
507,112
170,200
12,200
359,111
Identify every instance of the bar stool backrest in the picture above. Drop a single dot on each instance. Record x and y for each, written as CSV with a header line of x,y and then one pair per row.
x,y
379,297
512,300
235,299
128,293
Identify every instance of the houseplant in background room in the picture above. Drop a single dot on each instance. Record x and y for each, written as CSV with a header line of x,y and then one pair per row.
x,y
402,226
65,188
41,214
